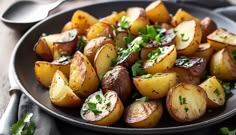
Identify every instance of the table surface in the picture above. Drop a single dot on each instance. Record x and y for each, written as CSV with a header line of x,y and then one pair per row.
x,y
9,38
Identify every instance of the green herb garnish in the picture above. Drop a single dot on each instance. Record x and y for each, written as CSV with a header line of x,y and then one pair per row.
x,y
226,131
93,108
81,44
217,92
147,76
223,37
144,99
227,87
186,109
99,98
153,55
124,23
182,100
43,35
129,38
114,29
24,126
137,68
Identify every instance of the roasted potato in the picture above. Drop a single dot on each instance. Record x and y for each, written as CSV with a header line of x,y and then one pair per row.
x,y
60,93
44,70
113,18
54,46
67,26
208,26
143,114
93,45
83,78
99,29
145,51
186,102
189,69
137,19
103,59
82,21
129,60
204,50
188,37
181,16
157,12
223,66
160,60
119,81
119,39
155,86
102,109
215,92
221,38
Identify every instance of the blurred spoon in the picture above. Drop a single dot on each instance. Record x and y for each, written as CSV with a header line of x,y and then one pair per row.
x,y
23,14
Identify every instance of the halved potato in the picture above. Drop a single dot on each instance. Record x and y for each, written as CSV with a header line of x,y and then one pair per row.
x,y
44,70
83,78
204,50
119,39
221,38
82,20
137,19
188,37
145,51
67,26
208,26
93,45
157,12
155,86
99,29
223,66
60,93
113,18
103,59
102,109
181,16
186,102
143,114
161,62
215,92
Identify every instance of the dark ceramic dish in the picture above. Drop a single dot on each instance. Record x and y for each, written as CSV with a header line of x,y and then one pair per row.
x,y
23,60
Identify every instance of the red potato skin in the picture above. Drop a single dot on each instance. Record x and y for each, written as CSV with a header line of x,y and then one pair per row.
x,y
207,26
129,60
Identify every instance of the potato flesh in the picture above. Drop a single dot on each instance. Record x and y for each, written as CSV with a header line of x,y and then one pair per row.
x,y
205,50
99,29
215,92
192,108
113,18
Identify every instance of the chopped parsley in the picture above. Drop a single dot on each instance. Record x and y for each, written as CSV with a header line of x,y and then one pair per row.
x,y
24,126
227,87
147,76
182,100
129,38
99,98
124,23
81,44
223,37
226,131
71,35
153,55
144,99
186,109
217,92
152,34
93,107
115,30
137,68
184,37
43,35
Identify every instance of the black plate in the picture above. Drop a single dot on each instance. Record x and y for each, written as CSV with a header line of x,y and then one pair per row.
x,y
23,59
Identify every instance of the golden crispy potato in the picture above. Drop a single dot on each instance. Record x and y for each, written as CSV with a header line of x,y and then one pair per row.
x,y
103,59
93,45
82,21
114,18
60,93
186,102
155,86
102,109
67,26
204,50
83,78
221,38
208,26
143,114
145,51
223,66
137,19
119,81
181,16
44,70
157,12
188,37
215,92
160,60
99,29
42,49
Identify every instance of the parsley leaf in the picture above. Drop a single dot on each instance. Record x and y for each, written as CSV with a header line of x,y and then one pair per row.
x,y
81,44
124,23
93,108
24,126
226,86
137,68
99,98
144,99
226,131
147,76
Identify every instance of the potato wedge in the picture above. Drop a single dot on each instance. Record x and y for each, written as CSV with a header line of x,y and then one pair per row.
x,y
137,19
223,66
221,38
143,114
44,70
93,45
99,29
67,26
215,92
157,12
113,18
188,37
155,86
60,93
103,59
208,26
181,16
161,60
119,39
204,50
82,21
186,102
83,78
119,81
102,109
